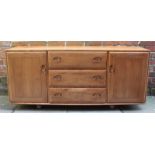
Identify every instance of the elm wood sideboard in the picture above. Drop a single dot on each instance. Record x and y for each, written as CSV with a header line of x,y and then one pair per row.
x,y
109,75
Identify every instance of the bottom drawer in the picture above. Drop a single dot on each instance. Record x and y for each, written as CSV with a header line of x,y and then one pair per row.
x,y
77,95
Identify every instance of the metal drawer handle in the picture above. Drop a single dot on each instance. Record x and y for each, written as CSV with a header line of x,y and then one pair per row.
x,y
57,77
97,77
97,94
57,59
97,59
58,94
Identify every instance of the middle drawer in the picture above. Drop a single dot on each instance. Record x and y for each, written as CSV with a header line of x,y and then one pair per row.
x,y
77,78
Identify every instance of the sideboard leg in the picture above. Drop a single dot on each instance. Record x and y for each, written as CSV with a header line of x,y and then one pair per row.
x,y
112,107
38,106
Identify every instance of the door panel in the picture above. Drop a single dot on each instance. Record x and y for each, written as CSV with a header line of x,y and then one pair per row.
x,y
27,76
127,76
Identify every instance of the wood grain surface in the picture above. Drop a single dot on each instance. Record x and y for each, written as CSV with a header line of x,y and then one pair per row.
x,y
27,77
78,48
77,78
77,60
127,77
77,95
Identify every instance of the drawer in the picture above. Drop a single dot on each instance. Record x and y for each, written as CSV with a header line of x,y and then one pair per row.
x,y
77,95
77,60
77,78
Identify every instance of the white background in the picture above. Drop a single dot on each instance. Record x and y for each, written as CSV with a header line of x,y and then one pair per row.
x,y
77,20
90,133
77,133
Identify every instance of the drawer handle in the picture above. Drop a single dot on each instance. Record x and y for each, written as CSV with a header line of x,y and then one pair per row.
x,y
57,59
58,94
57,77
97,77
97,94
97,59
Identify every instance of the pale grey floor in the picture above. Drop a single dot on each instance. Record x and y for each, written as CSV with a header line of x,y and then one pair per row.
x,y
6,107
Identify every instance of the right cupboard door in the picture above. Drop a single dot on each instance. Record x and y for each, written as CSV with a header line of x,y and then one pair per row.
x,y
127,77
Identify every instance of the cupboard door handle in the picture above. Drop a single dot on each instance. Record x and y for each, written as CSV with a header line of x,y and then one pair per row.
x,y
57,94
111,69
43,68
57,77
97,77
57,59
97,59
97,94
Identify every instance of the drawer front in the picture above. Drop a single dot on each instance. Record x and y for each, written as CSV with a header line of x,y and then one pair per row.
x,y
77,60
77,95
77,78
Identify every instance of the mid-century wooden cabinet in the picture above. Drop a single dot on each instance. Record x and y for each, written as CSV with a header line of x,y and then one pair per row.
x,y
109,75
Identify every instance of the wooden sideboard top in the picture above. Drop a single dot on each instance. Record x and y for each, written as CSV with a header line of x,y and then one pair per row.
x,y
78,48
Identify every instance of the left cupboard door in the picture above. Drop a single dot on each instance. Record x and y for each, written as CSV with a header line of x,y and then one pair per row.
x,y
27,76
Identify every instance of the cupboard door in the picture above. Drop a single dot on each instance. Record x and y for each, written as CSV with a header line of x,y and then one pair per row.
x,y
27,76
127,76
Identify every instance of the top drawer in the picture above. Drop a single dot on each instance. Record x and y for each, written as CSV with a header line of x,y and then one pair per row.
x,y
77,60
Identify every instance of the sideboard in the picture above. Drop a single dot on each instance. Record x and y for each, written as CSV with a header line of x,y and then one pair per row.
x,y
106,75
